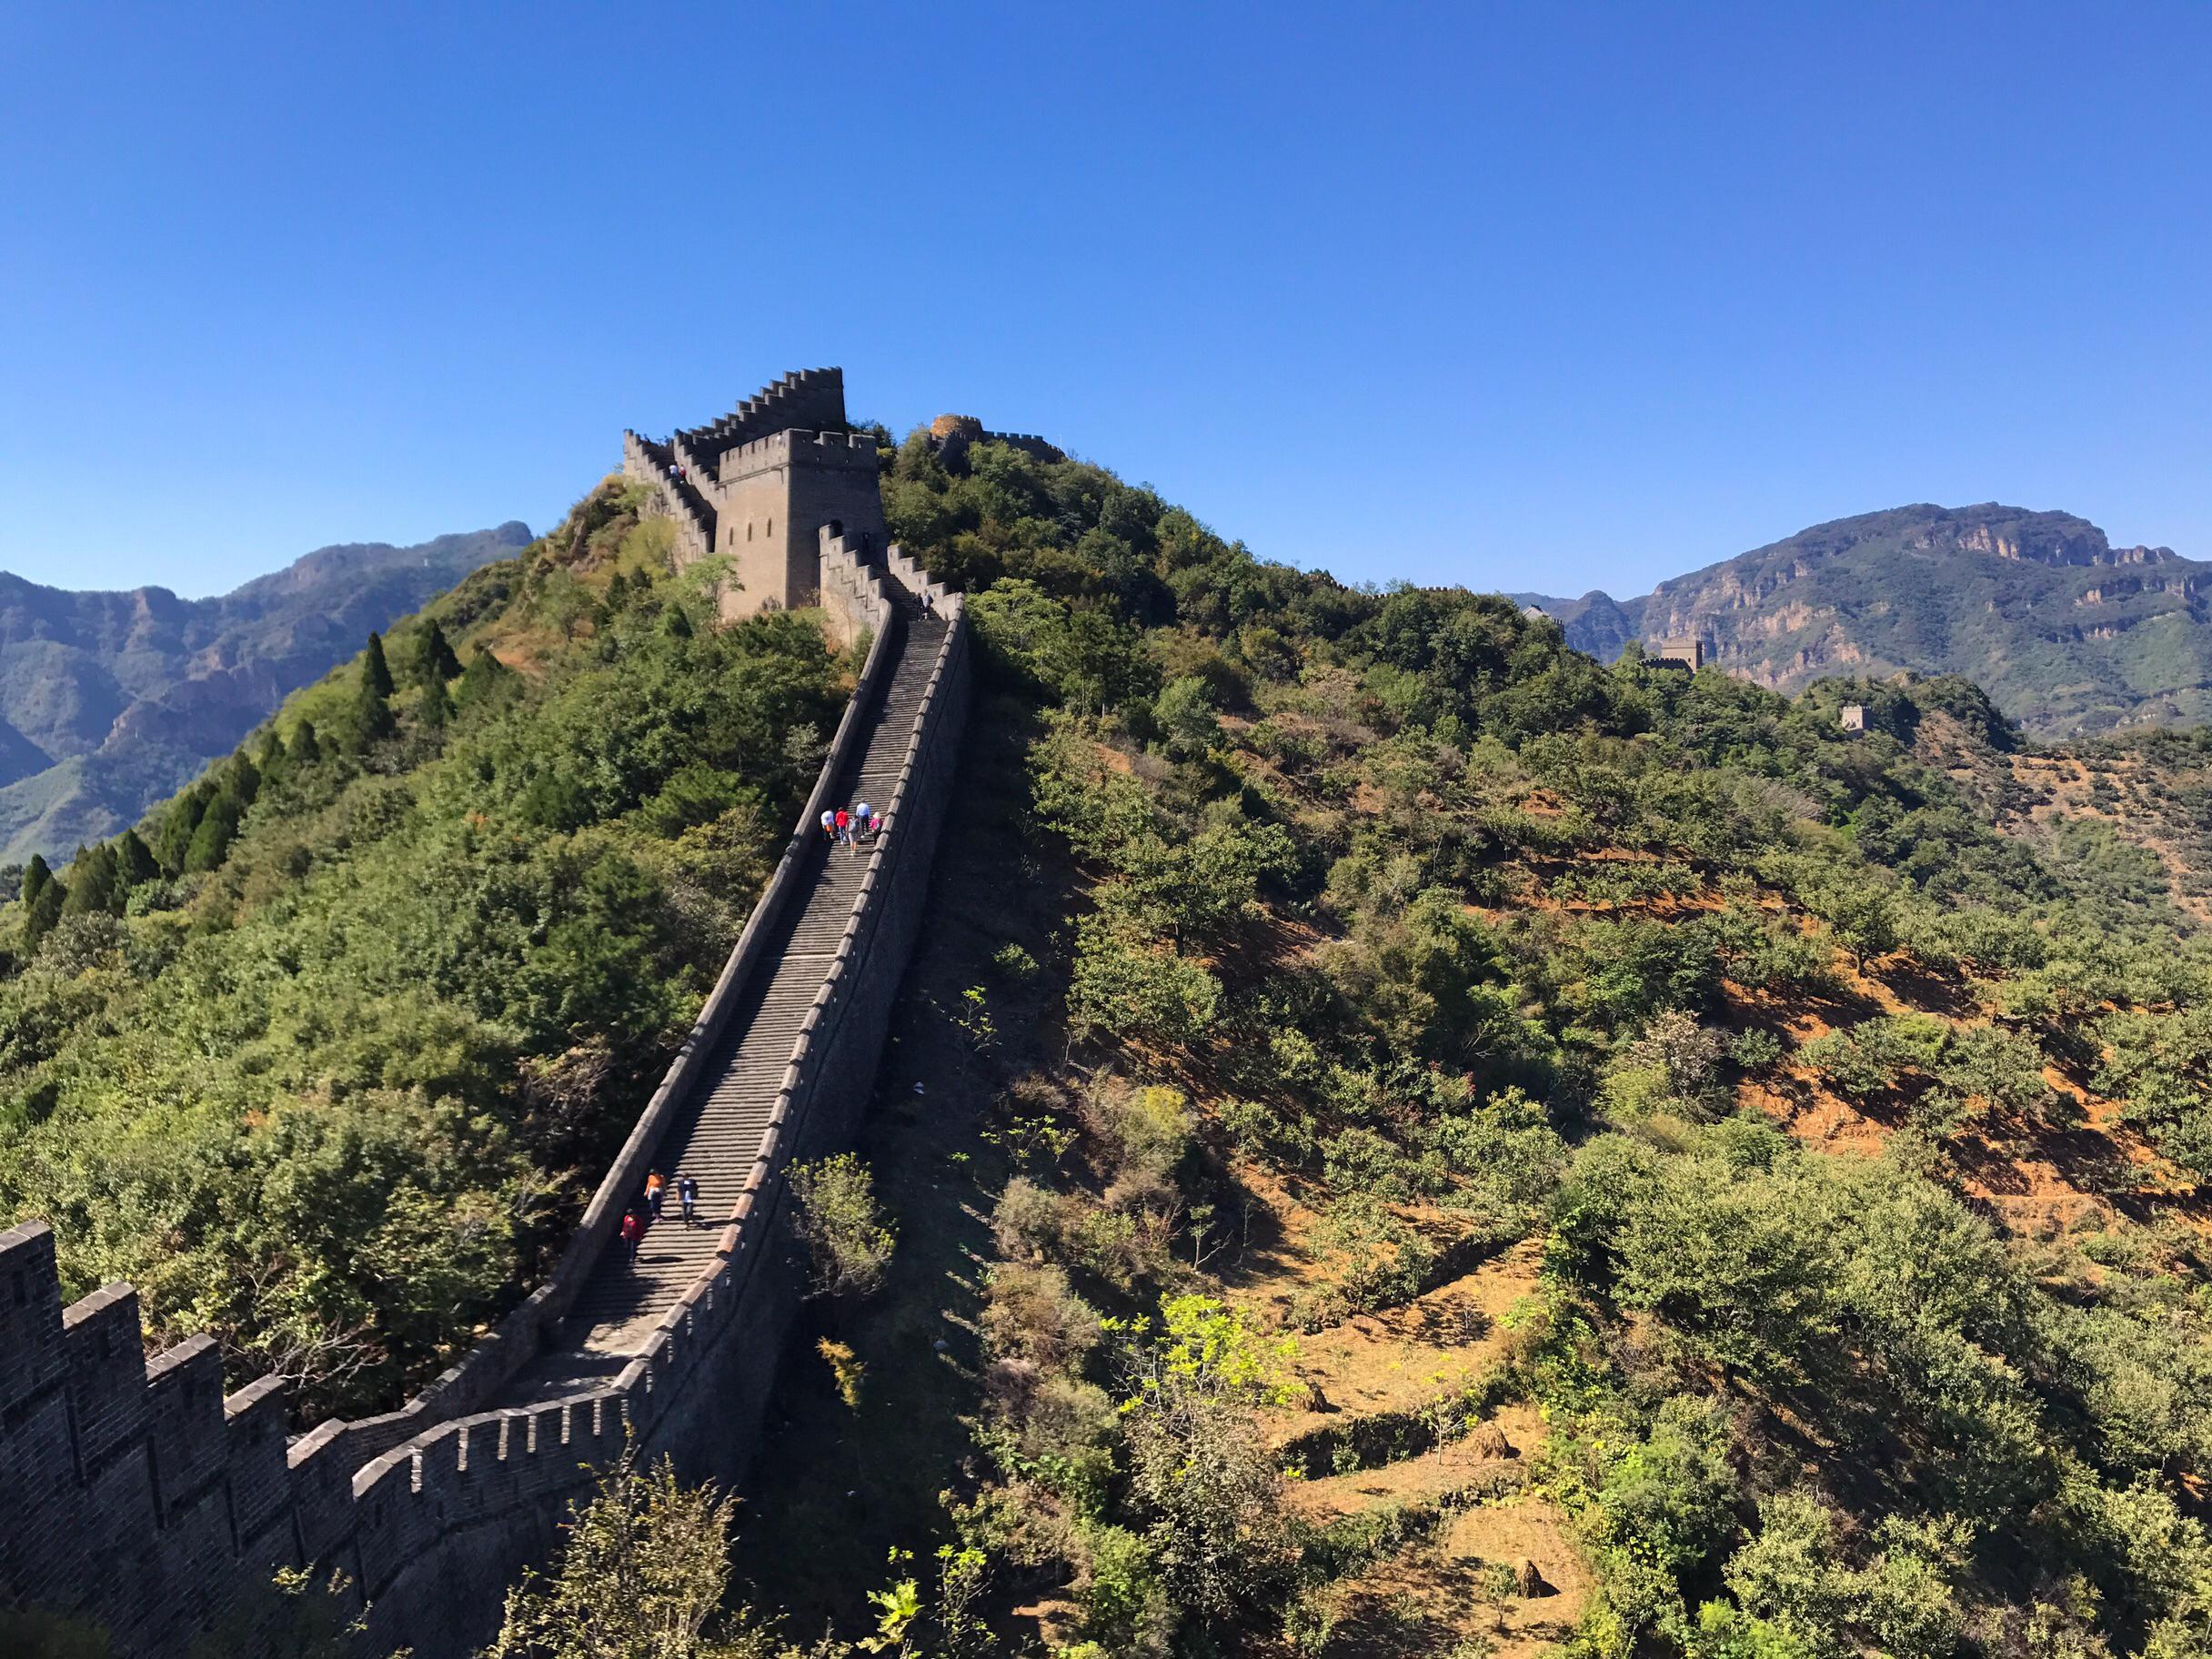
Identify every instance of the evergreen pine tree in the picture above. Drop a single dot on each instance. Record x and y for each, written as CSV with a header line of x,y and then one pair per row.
x,y
134,861
218,827
484,676
244,780
436,707
41,913
36,875
675,624
372,715
438,662
270,759
173,840
307,749
93,885
375,671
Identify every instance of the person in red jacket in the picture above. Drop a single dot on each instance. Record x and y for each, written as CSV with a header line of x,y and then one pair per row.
x,y
633,1229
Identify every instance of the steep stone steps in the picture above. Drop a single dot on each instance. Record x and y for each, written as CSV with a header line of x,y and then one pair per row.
x,y
717,1133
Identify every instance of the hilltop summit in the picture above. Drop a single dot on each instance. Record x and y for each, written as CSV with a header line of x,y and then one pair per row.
x,y
2068,633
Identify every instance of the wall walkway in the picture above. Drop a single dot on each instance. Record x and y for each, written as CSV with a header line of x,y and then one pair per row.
x,y
134,1492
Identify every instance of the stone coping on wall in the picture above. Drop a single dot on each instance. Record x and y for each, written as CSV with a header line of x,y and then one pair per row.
x,y
519,1337
453,1471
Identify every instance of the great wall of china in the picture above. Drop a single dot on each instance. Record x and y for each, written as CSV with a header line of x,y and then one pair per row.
x,y
134,1492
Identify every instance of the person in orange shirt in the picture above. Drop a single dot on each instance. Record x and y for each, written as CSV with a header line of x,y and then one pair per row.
x,y
656,1189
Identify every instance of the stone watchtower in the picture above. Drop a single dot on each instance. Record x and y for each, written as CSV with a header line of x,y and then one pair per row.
x,y
761,485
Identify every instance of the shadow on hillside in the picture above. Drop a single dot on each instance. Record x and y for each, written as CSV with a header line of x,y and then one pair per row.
x,y
835,1488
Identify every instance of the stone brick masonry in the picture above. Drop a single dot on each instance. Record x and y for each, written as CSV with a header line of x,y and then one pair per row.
x,y
134,1492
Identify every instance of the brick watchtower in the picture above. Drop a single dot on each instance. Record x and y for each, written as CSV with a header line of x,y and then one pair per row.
x,y
758,487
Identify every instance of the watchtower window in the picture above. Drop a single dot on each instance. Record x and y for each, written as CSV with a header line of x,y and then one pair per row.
x,y
772,528
749,530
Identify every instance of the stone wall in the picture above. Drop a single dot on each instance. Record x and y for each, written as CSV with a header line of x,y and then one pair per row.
x,y
774,497
132,1492
854,599
646,462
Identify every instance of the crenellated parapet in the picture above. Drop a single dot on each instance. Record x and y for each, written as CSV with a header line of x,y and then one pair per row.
x,y
853,597
647,462
134,1492
1028,443
806,398
849,450
132,1484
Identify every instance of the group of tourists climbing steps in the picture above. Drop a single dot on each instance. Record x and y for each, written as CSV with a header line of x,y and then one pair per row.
x,y
855,827
646,1210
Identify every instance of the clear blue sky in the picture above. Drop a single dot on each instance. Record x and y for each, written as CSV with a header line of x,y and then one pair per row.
x,y
1538,295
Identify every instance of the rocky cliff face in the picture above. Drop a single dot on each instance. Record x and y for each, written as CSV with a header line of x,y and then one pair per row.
x,y
109,702
2067,632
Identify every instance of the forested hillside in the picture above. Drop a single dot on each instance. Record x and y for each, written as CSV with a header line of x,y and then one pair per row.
x,y
109,702
324,1054
1481,1150
2067,632
1400,1139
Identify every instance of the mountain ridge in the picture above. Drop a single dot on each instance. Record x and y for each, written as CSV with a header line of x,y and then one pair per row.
x,y
111,698
2069,634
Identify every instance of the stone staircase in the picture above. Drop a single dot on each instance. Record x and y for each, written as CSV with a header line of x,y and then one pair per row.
x,y
694,502
717,1134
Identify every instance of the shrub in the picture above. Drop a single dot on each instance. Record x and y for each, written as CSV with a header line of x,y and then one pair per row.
x,y
849,1241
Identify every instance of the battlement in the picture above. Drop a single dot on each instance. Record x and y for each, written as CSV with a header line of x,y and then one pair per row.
x,y
798,448
809,397
853,597
116,1468
1028,443
133,1490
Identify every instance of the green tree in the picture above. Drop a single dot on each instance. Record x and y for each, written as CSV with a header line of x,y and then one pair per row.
x,y
43,910
133,861
641,1576
1864,916
483,679
435,709
849,1240
372,720
173,836
375,671
306,748
436,662
93,884
1200,1473
218,827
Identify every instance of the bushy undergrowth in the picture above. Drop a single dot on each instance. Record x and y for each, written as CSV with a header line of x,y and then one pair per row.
x,y
1385,897
1463,937
322,1056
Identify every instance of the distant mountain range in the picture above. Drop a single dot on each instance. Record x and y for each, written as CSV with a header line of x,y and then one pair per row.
x,y
110,701
2067,633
